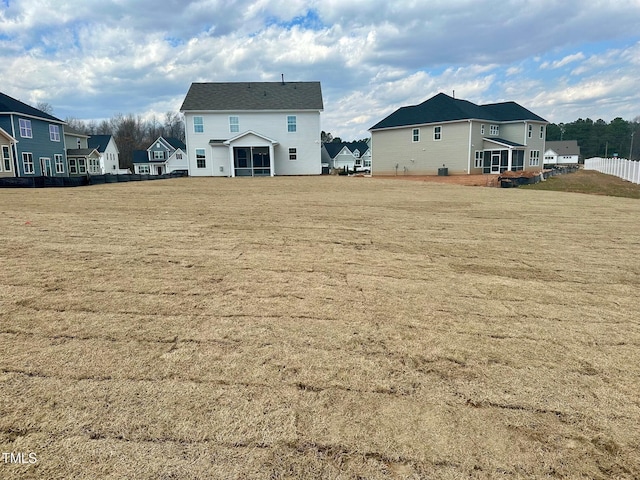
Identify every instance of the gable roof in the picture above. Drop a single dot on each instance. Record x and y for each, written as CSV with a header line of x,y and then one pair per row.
x,y
334,148
10,105
176,143
140,156
99,142
443,108
564,147
238,96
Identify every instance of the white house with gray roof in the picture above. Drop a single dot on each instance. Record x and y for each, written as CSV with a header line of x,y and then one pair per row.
x,y
253,128
565,152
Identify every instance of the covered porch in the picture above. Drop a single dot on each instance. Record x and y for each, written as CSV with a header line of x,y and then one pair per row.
x,y
251,155
502,155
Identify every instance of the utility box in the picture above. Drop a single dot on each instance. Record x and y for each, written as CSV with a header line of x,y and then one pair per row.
x,y
443,172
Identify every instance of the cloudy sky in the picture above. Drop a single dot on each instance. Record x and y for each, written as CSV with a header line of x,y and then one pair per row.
x,y
92,59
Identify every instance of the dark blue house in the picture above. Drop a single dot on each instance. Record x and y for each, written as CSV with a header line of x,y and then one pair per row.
x,y
40,149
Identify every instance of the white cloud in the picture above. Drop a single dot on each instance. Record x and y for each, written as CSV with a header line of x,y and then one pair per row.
x,y
95,58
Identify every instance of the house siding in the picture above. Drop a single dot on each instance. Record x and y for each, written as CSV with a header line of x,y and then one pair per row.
x,y
306,140
40,145
396,147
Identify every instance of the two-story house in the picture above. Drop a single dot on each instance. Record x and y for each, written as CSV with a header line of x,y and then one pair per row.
x,y
253,128
108,151
39,148
165,155
352,156
464,138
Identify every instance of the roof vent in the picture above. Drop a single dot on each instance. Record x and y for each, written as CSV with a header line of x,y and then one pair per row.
x,y
282,75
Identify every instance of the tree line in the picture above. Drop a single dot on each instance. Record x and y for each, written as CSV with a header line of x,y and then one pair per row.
x,y
599,138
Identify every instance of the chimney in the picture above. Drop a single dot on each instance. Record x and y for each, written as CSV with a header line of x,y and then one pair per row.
x,y
282,78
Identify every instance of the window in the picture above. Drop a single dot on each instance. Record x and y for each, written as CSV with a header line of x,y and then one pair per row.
x,y
494,130
534,158
517,160
291,124
293,154
25,128
356,153
27,162
201,161
82,165
541,132
437,133
54,133
530,131
416,134
73,165
198,125
234,124
144,169
178,156
367,163
94,165
482,129
479,159
59,163
6,158
158,155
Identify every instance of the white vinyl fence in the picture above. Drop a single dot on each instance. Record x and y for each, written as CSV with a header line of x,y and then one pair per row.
x,y
628,170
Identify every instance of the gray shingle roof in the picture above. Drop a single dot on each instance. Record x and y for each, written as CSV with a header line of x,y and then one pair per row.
x,y
334,148
443,108
563,147
237,96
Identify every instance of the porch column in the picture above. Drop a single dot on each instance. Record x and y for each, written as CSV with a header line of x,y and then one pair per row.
x,y
232,170
510,159
272,160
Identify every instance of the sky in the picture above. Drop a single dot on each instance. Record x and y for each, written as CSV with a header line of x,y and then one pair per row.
x,y
93,59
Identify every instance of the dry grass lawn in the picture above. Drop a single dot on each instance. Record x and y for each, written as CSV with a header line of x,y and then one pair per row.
x,y
331,327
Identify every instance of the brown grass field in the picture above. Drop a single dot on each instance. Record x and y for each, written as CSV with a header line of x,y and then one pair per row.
x,y
326,327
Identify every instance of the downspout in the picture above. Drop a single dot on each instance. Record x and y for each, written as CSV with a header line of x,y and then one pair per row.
x,y
469,155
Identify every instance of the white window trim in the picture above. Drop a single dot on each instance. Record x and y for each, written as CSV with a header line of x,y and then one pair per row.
x,y
494,130
293,153
294,124
482,129
196,125
26,130
530,131
479,159
54,133
541,132
437,132
3,167
204,156
73,166
59,162
158,155
234,127
415,133
82,165
25,156
534,158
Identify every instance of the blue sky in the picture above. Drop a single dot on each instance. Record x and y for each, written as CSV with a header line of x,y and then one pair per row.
x,y
94,59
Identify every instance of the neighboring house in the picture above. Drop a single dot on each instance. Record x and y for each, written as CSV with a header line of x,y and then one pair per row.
x,y
347,155
566,152
109,153
39,147
7,163
81,159
253,128
165,155
464,138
